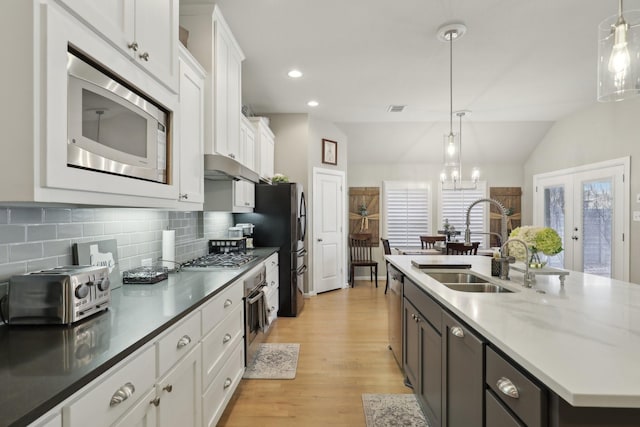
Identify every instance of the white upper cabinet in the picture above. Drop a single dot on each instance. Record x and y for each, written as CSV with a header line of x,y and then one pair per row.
x,y
247,143
33,167
213,45
191,132
147,30
265,147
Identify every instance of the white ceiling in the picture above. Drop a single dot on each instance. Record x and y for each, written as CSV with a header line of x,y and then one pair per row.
x,y
522,65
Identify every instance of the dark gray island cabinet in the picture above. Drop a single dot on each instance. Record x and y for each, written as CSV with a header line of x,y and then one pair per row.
x,y
461,379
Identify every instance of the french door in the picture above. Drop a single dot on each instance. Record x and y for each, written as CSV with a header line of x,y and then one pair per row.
x,y
587,207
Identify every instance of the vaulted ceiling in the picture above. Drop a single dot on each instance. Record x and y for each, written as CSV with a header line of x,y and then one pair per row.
x,y
521,66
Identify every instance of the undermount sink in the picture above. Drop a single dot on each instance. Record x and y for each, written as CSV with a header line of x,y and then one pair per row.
x,y
457,277
477,287
466,281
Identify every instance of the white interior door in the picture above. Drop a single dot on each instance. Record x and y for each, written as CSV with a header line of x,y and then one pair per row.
x,y
328,225
587,208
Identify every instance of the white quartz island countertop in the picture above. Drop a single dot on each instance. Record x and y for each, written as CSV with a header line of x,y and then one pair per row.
x,y
582,341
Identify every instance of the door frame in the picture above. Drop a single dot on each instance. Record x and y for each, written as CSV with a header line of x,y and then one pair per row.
x,y
625,162
342,240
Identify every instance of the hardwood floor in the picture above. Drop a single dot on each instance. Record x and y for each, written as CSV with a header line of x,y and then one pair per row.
x,y
343,354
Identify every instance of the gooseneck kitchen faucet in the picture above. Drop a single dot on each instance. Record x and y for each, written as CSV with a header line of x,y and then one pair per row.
x,y
503,220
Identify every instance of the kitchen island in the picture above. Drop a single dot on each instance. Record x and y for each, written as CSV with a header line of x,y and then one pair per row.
x,y
580,341
41,366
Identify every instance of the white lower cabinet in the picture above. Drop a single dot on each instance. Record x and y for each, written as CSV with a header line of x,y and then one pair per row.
x,y
114,393
178,393
143,414
215,345
52,419
216,397
184,378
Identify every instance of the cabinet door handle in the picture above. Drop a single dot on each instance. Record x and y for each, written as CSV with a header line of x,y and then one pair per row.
x,y
144,56
168,388
507,387
227,383
133,46
184,341
226,338
227,303
155,402
122,394
457,331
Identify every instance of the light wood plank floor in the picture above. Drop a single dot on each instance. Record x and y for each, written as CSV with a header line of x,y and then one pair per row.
x,y
343,354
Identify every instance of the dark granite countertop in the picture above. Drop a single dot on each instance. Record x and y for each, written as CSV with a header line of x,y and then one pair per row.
x,y
40,366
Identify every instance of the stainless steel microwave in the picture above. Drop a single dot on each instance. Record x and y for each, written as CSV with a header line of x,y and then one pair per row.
x,y
111,127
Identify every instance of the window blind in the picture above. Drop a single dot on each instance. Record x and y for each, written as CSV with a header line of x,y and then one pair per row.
x,y
407,212
453,207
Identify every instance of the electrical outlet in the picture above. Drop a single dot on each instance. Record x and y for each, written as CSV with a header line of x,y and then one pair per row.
x,y
146,262
636,215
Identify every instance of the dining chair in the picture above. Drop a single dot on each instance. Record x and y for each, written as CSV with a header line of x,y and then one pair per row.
x,y
360,256
460,248
428,242
387,251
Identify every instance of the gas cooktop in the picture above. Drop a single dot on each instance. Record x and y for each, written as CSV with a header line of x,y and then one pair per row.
x,y
224,261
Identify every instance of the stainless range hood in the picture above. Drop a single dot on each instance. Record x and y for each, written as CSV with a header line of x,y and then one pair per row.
x,y
222,168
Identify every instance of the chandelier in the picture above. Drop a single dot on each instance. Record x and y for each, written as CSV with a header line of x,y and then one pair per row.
x,y
451,176
619,56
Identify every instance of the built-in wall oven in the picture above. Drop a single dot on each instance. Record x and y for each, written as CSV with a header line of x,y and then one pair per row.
x,y
255,311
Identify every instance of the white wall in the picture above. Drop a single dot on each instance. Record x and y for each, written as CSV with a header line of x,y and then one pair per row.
x,y
600,132
298,143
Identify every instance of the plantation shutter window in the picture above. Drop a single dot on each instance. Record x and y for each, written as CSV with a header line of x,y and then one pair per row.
x,y
454,205
406,212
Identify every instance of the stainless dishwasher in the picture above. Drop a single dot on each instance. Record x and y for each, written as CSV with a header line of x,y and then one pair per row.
x,y
396,284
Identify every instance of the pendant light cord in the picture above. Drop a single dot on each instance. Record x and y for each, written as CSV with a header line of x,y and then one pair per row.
x,y
620,9
451,82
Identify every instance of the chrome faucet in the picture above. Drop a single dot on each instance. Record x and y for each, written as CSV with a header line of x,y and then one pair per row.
x,y
505,260
503,220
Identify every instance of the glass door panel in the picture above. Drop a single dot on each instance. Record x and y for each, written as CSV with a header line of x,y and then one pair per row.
x,y
597,227
554,217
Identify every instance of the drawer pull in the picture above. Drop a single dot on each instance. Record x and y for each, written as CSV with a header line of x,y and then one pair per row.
x,y
227,303
457,331
226,338
122,394
227,383
168,388
184,341
155,402
507,387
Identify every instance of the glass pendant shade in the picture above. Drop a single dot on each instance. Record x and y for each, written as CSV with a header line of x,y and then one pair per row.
x,y
619,57
451,149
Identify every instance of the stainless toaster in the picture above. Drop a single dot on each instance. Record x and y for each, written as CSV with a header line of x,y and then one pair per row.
x,y
61,295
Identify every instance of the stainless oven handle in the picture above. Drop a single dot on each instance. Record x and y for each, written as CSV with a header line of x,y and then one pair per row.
x,y
257,297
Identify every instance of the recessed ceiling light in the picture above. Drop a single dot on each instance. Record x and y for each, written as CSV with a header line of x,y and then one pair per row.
x,y
313,103
294,74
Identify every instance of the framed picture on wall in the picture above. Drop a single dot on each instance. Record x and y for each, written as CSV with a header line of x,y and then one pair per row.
x,y
329,152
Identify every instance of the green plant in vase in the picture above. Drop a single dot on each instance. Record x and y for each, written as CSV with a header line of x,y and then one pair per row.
x,y
540,240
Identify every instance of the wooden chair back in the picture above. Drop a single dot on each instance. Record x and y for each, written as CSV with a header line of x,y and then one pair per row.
x,y
428,242
459,248
385,245
360,247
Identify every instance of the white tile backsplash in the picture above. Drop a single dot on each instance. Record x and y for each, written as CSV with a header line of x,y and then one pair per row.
x,y
36,238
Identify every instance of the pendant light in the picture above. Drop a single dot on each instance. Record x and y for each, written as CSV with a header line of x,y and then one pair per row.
x,y
451,175
619,56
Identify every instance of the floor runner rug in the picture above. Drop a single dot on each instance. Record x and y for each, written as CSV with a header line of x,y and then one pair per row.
x,y
382,410
274,361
